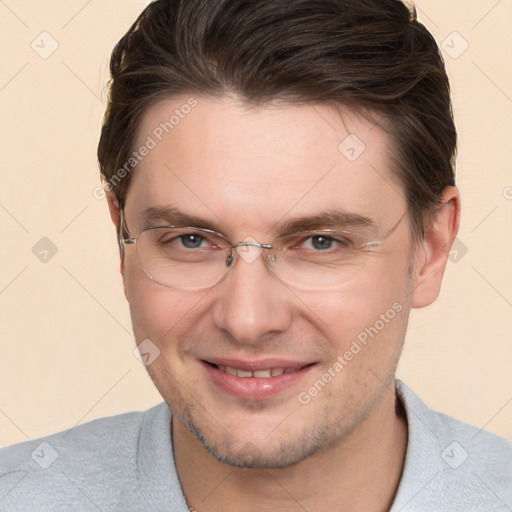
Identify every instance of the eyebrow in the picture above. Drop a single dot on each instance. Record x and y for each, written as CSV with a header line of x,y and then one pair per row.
x,y
173,217
330,219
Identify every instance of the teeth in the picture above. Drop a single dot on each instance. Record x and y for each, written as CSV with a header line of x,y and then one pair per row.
x,y
258,374
262,373
230,370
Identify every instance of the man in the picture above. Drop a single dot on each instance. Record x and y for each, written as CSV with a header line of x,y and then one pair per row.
x,y
280,175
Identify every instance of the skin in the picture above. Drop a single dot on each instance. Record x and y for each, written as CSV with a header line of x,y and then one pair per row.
x,y
243,170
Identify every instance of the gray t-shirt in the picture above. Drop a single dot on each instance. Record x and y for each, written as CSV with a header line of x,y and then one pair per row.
x,y
125,463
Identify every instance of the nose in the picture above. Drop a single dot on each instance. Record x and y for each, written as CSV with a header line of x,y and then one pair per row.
x,y
250,302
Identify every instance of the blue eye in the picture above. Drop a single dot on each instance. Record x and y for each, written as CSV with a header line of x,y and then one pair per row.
x,y
192,241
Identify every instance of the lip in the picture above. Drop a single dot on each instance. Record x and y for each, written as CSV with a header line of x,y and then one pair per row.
x,y
254,388
254,366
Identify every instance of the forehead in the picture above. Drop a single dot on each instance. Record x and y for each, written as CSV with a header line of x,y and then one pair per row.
x,y
248,167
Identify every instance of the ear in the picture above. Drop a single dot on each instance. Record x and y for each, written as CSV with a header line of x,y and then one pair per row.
x,y
432,256
113,208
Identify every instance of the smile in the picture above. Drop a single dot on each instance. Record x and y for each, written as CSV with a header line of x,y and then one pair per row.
x,y
256,380
258,374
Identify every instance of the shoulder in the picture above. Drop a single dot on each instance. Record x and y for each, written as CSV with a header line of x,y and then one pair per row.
x,y
456,437
97,436
452,465
77,465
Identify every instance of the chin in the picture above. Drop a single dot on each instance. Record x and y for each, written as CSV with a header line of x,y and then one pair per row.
x,y
267,452
250,456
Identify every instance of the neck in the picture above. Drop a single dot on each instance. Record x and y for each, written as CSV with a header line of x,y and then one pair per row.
x,y
360,473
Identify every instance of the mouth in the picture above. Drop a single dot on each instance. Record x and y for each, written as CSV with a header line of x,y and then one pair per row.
x,y
256,380
266,373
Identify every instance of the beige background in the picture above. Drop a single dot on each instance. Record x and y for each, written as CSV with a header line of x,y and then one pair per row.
x,y
66,343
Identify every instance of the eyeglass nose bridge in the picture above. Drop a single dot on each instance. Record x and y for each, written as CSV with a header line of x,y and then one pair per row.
x,y
246,243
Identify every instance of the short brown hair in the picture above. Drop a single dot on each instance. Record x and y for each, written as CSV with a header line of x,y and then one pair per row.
x,y
370,55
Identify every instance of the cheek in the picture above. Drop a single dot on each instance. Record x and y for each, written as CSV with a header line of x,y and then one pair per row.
x,y
365,321
158,312
357,304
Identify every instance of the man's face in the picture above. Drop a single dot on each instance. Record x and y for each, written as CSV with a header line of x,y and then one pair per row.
x,y
247,172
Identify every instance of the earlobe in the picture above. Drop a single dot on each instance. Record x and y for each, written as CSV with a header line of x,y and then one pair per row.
x,y
432,257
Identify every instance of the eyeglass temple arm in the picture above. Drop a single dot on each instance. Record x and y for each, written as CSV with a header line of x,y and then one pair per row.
x,y
389,233
122,227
